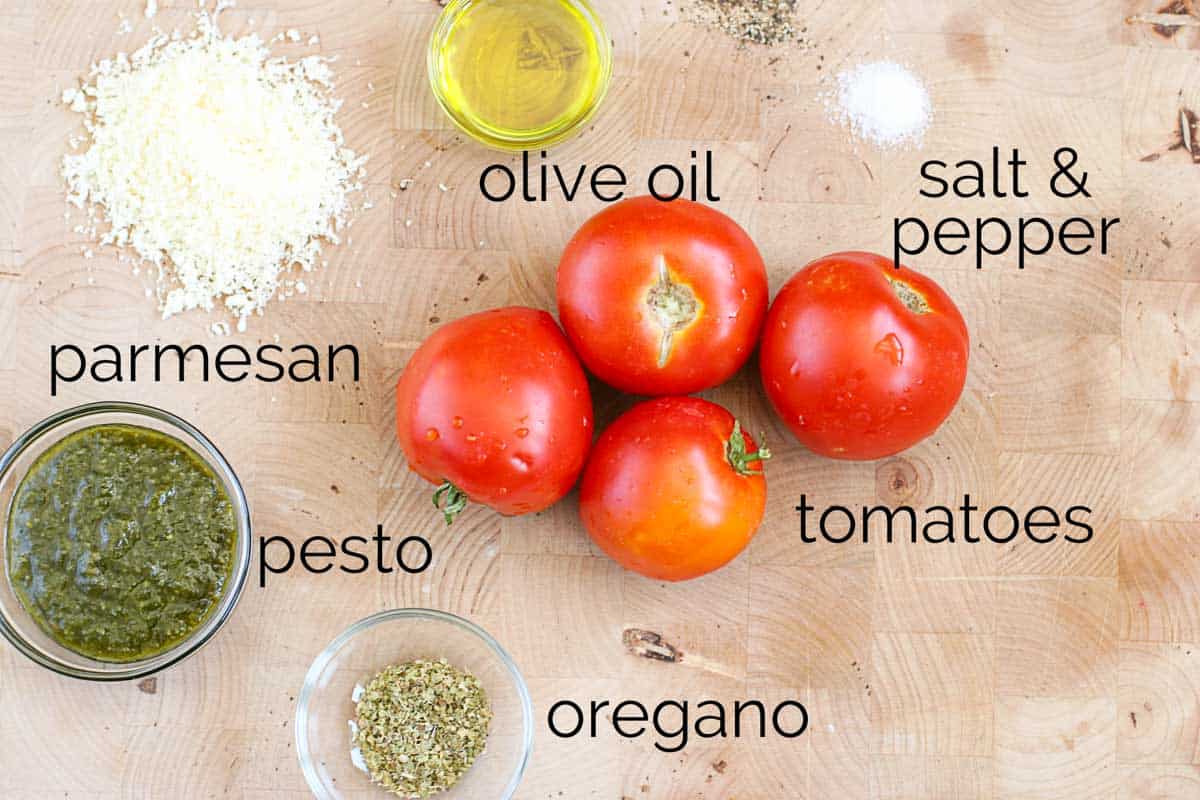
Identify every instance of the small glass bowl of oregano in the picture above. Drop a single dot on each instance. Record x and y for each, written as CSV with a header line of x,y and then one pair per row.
x,y
414,703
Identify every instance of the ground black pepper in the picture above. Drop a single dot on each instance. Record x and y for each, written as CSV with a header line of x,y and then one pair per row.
x,y
764,22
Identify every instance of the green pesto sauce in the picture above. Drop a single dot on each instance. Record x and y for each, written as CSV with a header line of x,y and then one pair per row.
x,y
121,542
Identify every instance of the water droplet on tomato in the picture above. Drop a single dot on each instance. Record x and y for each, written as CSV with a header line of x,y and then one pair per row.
x,y
522,432
891,348
432,434
794,369
472,437
522,462
457,422
801,422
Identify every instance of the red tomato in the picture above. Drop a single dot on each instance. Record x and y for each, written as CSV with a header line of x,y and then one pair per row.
x,y
862,360
674,489
662,297
496,408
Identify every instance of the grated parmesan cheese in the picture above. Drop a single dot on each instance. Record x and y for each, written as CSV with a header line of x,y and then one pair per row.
x,y
219,164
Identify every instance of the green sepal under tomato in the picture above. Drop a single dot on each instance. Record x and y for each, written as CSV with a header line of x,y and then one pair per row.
x,y
455,499
736,455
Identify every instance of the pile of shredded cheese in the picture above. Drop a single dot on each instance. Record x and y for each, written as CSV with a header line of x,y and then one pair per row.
x,y
219,164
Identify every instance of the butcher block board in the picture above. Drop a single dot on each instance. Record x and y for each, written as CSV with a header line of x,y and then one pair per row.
x,y
952,672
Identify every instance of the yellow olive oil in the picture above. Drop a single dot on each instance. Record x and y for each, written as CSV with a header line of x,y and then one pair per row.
x,y
519,74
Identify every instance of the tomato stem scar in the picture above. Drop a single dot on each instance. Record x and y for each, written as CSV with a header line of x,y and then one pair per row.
x,y
736,455
912,299
455,499
674,307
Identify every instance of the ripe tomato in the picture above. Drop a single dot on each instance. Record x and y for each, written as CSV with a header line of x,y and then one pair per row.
x,y
662,297
862,360
674,488
495,408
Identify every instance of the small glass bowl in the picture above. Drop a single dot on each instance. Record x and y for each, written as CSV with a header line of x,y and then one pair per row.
x,y
326,705
497,137
19,627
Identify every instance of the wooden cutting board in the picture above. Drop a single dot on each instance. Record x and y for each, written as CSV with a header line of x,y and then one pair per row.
x,y
964,672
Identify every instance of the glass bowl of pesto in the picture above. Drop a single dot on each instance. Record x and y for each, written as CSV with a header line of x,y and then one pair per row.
x,y
414,643
126,541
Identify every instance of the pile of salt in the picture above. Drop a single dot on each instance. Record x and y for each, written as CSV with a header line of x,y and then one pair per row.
x,y
884,103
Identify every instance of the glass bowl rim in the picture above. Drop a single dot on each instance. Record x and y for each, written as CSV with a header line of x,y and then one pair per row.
x,y
449,13
244,549
300,727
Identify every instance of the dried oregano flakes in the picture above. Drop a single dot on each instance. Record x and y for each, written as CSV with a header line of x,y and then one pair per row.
x,y
420,726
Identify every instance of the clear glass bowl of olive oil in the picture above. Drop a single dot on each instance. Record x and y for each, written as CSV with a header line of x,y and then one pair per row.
x,y
519,74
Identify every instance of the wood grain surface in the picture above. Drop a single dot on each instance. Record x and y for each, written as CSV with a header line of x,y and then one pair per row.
x,y
964,672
